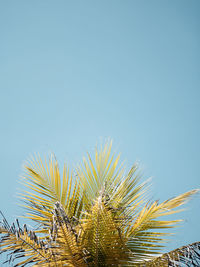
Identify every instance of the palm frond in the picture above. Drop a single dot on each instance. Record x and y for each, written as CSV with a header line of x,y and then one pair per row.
x,y
23,244
98,216
188,255
103,172
143,239
68,247
103,236
46,187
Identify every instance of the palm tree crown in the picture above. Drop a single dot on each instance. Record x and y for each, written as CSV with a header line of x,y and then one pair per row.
x,y
97,215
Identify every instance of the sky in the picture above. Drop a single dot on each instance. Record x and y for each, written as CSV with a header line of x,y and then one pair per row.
x,y
74,74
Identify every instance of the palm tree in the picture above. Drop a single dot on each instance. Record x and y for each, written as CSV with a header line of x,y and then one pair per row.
x,y
96,216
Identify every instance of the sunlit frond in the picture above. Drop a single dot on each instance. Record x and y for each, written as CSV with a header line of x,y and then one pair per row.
x,y
103,235
46,187
103,172
98,215
143,239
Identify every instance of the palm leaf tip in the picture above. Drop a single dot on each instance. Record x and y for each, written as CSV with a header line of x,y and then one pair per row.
x,y
188,255
22,243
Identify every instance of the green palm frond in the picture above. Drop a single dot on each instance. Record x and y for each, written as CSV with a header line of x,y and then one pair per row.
x,y
95,216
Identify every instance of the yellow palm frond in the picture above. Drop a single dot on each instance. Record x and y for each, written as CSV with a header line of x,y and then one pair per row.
x,y
101,235
24,243
46,187
142,235
183,256
103,172
68,248
98,215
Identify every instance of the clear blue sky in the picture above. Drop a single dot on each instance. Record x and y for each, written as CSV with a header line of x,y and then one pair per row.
x,y
74,73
